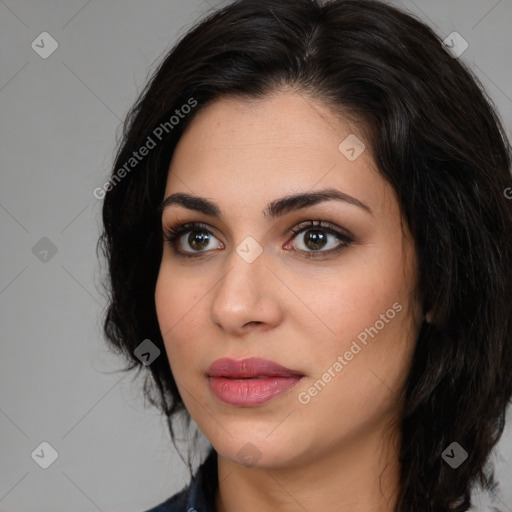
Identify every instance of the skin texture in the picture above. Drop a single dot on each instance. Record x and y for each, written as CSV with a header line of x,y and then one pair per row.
x,y
339,450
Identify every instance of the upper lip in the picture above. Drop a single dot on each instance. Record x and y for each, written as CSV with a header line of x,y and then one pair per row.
x,y
251,367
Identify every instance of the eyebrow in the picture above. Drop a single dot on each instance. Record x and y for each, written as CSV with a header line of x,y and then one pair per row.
x,y
276,208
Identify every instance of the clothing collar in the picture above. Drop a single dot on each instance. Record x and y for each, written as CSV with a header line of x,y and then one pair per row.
x,y
203,486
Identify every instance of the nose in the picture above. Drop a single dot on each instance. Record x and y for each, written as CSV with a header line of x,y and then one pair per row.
x,y
246,296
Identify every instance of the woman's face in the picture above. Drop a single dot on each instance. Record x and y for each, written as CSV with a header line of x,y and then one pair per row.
x,y
335,304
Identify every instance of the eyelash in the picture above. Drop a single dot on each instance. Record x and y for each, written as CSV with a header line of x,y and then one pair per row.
x,y
173,234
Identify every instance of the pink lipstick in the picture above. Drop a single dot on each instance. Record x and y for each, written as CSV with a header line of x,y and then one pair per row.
x,y
249,382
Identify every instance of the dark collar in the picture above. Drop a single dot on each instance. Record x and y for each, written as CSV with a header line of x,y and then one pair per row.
x,y
203,486
199,494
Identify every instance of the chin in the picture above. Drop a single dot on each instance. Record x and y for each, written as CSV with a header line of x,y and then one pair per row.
x,y
262,452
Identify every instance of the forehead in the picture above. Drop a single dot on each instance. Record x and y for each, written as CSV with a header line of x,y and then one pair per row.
x,y
250,151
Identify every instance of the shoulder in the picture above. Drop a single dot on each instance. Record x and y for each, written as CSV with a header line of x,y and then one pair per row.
x,y
199,494
176,503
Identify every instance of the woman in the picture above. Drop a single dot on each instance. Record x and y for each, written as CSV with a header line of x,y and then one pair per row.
x,y
307,230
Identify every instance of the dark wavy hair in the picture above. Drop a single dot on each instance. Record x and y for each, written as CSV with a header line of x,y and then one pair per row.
x,y
436,138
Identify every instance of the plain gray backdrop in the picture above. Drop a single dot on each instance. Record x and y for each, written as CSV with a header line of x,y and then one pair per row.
x,y
59,118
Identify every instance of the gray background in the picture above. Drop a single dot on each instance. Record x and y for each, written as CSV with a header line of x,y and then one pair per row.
x,y
59,118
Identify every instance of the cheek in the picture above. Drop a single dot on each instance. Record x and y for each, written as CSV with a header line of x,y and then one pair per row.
x,y
356,297
360,371
166,303
177,297
176,302
367,303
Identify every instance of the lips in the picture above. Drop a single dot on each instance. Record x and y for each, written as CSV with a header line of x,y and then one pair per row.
x,y
249,368
251,381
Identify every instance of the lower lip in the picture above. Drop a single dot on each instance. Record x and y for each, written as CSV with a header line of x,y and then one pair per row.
x,y
250,392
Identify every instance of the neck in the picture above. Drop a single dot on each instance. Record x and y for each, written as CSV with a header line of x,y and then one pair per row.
x,y
361,475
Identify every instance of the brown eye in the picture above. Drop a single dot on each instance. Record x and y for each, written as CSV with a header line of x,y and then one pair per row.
x,y
315,240
314,237
198,240
193,236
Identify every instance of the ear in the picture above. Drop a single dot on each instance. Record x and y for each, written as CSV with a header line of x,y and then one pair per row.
x,y
428,317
